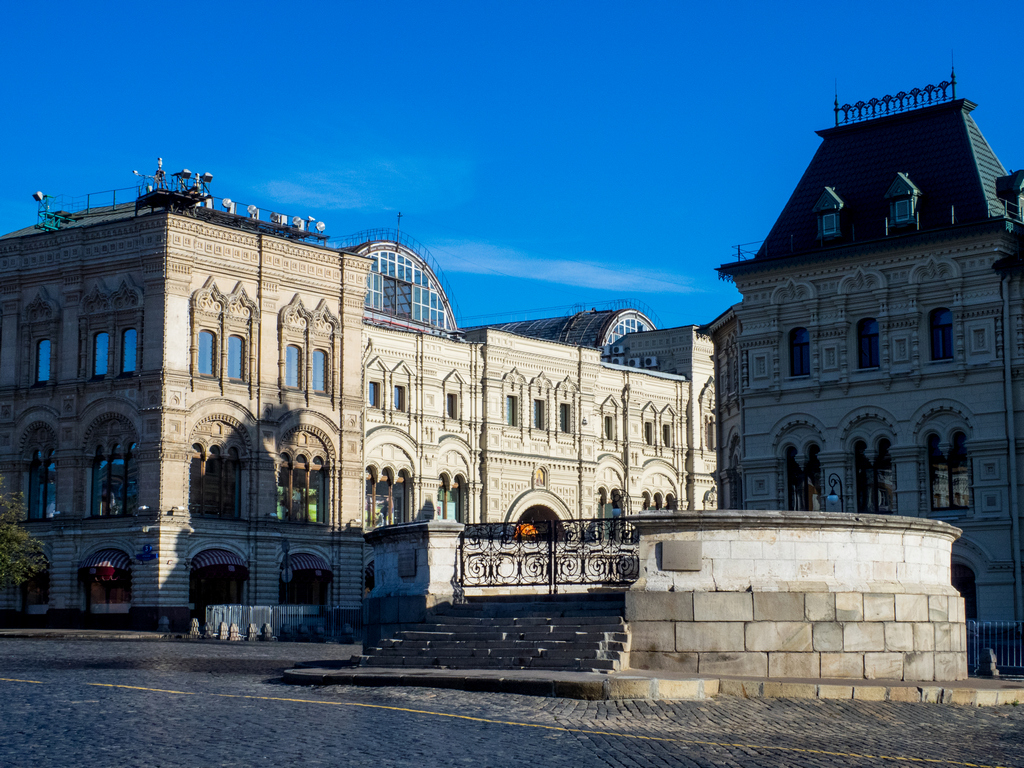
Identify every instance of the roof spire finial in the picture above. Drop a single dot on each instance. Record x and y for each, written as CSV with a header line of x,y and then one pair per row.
x,y
952,72
835,106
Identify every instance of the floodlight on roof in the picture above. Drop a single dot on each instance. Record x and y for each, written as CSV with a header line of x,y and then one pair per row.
x,y
311,219
185,173
38,196
320,226
254,212
296,221
207,178
229,205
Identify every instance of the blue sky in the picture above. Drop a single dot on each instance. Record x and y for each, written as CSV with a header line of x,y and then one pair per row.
x,y
548,153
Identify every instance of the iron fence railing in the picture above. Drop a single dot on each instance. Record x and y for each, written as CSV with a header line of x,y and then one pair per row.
x,y
1006,638
291,621
549,554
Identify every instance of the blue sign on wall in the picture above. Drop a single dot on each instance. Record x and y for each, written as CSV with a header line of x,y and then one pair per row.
x,y
146,554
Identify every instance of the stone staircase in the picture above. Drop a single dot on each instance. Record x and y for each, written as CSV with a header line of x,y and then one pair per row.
x,y
569,633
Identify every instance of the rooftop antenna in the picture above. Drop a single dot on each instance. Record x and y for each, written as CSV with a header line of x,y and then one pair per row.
x,y
952,72
836,103
398,235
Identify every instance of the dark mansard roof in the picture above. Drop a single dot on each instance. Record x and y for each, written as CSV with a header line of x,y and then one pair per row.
x,y
939,148
584,329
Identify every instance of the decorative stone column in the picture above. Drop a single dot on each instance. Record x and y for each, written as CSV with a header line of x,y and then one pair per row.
x,y
414,573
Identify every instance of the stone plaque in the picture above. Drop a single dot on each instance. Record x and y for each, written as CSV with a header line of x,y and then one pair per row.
x,y
407,563
681,556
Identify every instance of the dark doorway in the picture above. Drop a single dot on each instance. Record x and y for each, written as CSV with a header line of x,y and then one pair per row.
x,y
963,582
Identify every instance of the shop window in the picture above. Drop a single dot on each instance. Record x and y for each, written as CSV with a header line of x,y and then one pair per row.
x,y
512,410
43,361
799,352
301,489
867,343
319,371
942,334
236,349
215,482
948,472
292,361
115,482
876,479
129,350
207,342
803,480
100,351
42,486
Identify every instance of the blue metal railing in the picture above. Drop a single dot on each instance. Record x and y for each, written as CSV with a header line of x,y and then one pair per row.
x,y
1006,638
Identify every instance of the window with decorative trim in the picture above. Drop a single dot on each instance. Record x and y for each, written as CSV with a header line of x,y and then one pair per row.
x,y
875,477
803,480
215,482
867,343
236,352
512,410
564,417
400,401
100,354
373,394
228,353
941,324
129,350
949,473
115,481
43,357
609,427
205,360
649,432
387,501
42,486
451,496
301,489
799,352
539,415
319,383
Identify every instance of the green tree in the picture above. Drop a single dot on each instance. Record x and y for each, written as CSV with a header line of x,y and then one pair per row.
x,y
21,556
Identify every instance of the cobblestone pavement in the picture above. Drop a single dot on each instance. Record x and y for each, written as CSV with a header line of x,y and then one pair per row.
x,y
210,704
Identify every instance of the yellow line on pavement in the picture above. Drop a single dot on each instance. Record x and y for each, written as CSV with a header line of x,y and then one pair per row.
x,y
15,680
584,731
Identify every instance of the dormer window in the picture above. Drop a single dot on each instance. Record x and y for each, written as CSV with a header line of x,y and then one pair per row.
x,y
1010,190
903,196
828,209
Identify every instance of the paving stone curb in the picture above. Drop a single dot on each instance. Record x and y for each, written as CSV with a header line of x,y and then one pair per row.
x,y
641,687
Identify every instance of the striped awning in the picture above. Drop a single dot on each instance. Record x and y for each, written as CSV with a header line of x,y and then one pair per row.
x,y
307,567
106,565
219,564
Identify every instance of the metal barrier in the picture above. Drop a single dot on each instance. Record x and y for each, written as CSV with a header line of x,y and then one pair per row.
x,y
291,621
1006,638
549,554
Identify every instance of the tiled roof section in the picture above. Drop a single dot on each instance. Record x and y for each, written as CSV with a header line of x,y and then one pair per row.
x,y
584,329
940,148
85,219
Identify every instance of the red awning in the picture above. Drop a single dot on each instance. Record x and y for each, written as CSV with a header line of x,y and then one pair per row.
x,y
106,565
306,567
219,564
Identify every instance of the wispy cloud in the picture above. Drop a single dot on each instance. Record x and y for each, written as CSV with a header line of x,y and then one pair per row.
x,y
389,184
487,259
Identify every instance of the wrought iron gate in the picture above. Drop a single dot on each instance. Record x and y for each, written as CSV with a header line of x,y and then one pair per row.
x,y
549,553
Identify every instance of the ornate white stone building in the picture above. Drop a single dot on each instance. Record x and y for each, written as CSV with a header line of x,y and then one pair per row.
x,y
203,407
874,362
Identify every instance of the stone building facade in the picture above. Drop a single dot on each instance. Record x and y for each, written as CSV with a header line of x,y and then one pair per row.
x,y
873,364
202,407
160,374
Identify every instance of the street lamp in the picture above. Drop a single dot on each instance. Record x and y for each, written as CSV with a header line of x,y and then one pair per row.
x,y
834,502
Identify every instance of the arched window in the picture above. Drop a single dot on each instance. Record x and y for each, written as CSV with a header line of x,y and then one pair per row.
x,y
867,343
949,475
658,501
449,498
942,334
129,350
319,371
100,350
42,486
799,352
207,341
215,482
292,362
43,361
803,482
876,478
646,500
115,482
236,349
603,507
670,503
963,581
386,497
301,489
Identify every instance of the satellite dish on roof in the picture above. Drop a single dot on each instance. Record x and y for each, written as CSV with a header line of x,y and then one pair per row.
x,y
320,226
